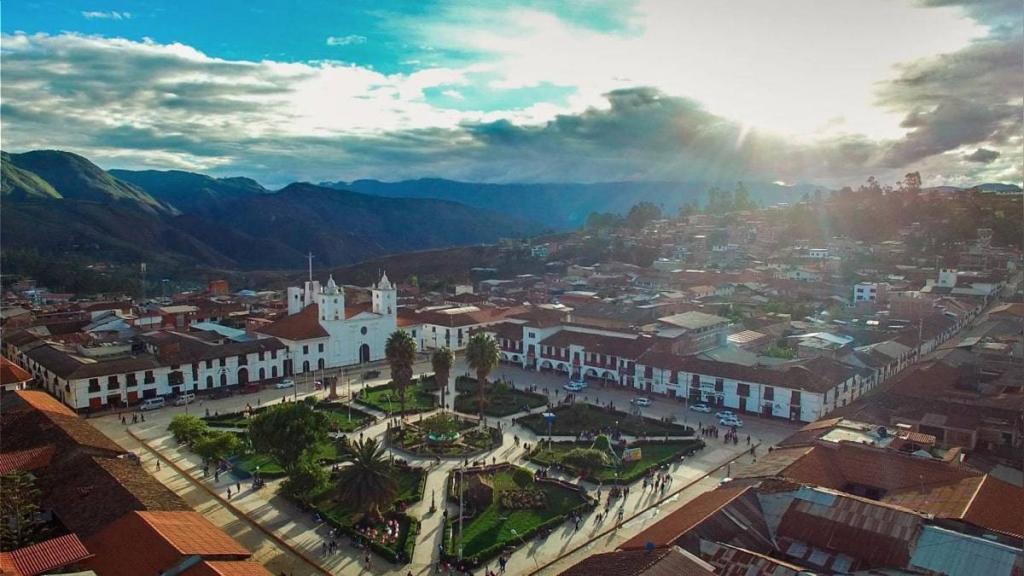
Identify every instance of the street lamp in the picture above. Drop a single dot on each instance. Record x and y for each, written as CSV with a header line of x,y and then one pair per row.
x,y
550,418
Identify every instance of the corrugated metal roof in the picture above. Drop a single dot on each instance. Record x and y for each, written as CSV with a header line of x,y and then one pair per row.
x,y
956,554
49,555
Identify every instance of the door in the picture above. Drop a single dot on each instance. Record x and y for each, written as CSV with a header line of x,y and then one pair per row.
x,y
243,376
364,353
743,404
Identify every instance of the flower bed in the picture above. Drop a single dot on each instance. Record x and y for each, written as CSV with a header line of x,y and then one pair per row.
x,y
578,418
522,499
653,454
455,437
499,401
384,398
490,530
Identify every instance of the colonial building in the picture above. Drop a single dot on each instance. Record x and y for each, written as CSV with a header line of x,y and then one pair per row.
x,y
320,331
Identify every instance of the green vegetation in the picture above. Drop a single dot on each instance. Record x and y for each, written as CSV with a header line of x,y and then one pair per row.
x,y
596,465
444,434
490,529
442,361
482,356
578,418
337,414
186,428
385,398
401,354
216,445
501,400
20,521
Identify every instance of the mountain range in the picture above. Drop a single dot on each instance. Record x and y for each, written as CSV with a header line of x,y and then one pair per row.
x,y
61,204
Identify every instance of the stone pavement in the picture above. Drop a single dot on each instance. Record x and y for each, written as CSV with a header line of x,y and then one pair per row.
x,y
300,537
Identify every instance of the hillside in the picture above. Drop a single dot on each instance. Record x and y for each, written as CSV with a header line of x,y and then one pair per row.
x,y
189,192
61,206
565,206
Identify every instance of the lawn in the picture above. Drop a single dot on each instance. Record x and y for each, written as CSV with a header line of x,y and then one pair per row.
x,y
337,415
578,418
411,481
653,454
385,398
499,401
490,531
246,463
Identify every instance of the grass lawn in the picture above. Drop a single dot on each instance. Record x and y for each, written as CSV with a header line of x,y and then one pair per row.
x,y
385,398
574,419
410,485
490,531
653,454
338,416
247,462
499,401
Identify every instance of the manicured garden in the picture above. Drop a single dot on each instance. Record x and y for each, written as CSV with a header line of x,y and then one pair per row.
x,y
248,460
444,434
418,398
340,417
601,462
581,418
505,506
500,399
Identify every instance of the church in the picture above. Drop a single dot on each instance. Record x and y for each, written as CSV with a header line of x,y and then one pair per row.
x,y
320,331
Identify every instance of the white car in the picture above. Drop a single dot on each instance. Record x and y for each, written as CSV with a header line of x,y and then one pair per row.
x,y
641,401
701,408
286,383
725,414
732,422
185,398
575,386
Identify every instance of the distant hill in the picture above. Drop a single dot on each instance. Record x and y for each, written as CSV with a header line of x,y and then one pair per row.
x,y
62,206
76,178
566,206
190,192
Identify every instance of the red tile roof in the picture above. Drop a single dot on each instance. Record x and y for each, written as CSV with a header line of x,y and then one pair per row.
x,y
153,542
303,325
227,568
678,523
26,460
46,556
11,373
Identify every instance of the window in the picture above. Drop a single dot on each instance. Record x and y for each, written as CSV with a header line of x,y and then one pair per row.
x,y
131,380
743,390
243,360
148,377
273,354
794,398
320,347
209,381
305,349
262,355
363,331
94,384
175,378
532,335
112,383
648,372
222,362
719,385
769,393
209,364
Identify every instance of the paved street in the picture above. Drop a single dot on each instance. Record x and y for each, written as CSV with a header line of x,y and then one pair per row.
x,y
299,535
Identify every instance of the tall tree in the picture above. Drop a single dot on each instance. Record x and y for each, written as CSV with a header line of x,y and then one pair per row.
x,y
288,431
741,199
401,354
368,484
215,446
20,524
641,213
442,361
482,355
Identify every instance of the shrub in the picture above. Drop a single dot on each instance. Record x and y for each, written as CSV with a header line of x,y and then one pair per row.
x,y
522,477
530,498
187,428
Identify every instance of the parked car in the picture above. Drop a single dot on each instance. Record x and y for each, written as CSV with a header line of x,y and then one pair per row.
x,y
732,422
152,404
641,401
186,398
575,386
725,414
286,383
701,408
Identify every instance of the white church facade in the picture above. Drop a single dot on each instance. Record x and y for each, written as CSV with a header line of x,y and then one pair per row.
x,y
321,332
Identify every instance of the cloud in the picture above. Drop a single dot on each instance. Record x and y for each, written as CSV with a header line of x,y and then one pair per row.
x,y
982,155
345,40
145,104
112,15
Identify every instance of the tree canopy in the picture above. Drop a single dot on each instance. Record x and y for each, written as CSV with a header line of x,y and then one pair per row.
x,y
287,431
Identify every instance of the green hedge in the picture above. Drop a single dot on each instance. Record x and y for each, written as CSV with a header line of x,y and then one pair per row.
x,y
580,417
632,472
499,401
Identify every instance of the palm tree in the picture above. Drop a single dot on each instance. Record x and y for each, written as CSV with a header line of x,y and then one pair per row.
x,y
442,361
368,484
482,355
401,354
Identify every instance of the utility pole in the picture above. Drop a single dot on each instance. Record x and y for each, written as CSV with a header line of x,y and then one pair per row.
x,y
310,257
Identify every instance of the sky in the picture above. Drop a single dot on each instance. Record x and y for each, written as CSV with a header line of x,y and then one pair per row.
x,y
820,91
